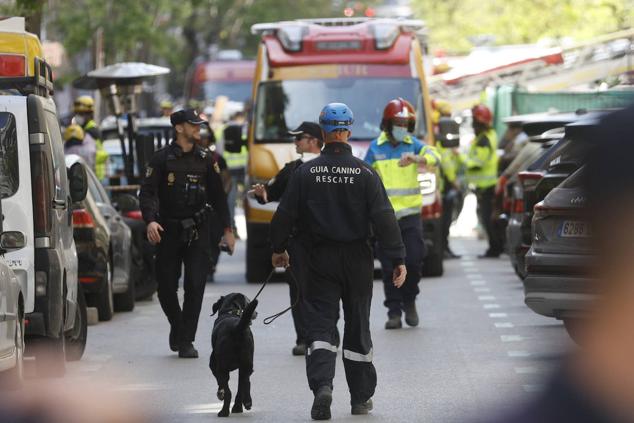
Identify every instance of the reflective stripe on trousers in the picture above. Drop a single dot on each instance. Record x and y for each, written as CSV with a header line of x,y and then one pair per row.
x,y
355,356
392,192
408,211
321,345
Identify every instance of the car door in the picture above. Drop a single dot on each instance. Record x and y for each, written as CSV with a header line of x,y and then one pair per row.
x,y
63,221
6,324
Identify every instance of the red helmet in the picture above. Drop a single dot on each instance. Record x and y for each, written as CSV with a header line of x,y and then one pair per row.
x,y
401,112
482,114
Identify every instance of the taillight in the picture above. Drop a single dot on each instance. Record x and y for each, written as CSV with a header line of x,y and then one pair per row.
x,y
12,65
42,193
529,179
518,205
82,219
134,214
434,210
541,210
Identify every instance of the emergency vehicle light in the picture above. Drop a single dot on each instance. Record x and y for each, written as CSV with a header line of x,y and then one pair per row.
x,y
12,65
291,36
384,35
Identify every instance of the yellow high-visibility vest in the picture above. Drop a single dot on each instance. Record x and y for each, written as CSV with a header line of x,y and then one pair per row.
x,y
482,160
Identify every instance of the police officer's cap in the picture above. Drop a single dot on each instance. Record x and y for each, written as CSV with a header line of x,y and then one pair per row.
x,y
186,115
309,128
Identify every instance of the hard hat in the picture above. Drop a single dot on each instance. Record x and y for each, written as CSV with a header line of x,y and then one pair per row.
x,y
399,112
166,104
482,114
84,104
443,107
73,132
336,116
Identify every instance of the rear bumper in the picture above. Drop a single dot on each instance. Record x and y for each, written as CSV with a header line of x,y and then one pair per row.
x,y
92,268
47,316
556,285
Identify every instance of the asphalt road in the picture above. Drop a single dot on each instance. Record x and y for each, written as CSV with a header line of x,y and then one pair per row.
x,y
477,347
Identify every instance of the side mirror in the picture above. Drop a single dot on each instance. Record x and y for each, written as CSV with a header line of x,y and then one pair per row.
x,y
78,181
233,138
449,132
12,241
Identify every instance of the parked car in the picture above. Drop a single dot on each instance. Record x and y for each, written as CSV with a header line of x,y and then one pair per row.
x,y
120,246
94,250
561,255
37,196
11,314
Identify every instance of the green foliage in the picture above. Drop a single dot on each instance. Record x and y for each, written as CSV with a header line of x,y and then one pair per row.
x,y
452,23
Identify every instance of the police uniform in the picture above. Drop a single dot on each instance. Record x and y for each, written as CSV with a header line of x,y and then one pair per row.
x,y
175,192
333,201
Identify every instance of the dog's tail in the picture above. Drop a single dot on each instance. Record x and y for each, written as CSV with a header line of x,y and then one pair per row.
x,y
247,316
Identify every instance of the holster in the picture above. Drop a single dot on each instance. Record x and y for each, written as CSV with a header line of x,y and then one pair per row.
x,y
189,230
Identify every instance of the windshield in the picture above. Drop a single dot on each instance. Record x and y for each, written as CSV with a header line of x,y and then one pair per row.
x,y
283,105
236,91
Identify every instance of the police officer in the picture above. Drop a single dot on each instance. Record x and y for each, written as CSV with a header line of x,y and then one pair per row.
x,y
308,143
181,179
396,155
333,201
482,174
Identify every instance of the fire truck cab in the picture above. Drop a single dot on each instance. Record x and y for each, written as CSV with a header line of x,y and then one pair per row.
x,y
303,65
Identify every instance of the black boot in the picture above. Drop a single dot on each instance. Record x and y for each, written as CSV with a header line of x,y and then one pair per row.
x,y
393,322
363,408
411,315
174,338
187,350
299,349
448,254
321,404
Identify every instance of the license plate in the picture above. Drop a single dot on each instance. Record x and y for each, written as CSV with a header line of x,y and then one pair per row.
x,y
575,229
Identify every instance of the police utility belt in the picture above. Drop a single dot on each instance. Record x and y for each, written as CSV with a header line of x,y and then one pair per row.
x,y
189,226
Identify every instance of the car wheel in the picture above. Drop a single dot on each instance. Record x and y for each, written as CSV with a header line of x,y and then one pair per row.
x,y
105,304
76,338
12,379
573,328
125,300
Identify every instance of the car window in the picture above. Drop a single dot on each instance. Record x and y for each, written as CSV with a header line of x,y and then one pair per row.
x,y
96,189
9,175
59,163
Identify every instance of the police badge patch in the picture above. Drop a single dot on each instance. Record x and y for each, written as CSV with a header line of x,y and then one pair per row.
x,y
216,167
171,178
148,172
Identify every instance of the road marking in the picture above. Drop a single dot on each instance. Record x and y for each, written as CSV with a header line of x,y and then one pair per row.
x,y
533,388
511,338
471,270
525,370
486,297
504,325
477,283
101,358
518,354
474,276
467,263
213,407
482,289
498,315
490,306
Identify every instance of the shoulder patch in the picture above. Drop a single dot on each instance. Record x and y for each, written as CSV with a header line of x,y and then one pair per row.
x,y
216,167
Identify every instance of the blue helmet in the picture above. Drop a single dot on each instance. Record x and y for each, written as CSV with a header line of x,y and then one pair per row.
x,y
336,116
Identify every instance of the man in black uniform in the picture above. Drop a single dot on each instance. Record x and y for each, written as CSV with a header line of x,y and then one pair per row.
x,y
308,143
333,201
181,179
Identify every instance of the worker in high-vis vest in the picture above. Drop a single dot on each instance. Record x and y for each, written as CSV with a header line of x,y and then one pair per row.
x,y
396,156
237,164
482,174
84,108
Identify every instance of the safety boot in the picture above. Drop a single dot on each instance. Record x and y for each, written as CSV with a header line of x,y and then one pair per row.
x,y
411,315
187,350
299,349
321,404
393,322
363,408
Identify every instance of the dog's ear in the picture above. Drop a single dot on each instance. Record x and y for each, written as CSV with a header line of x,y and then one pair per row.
x,y
217,305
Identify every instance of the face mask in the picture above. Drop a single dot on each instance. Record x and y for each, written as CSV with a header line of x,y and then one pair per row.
x,y
80,120
399,133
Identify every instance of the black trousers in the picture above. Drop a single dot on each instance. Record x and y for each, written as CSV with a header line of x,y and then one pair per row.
x,y
340,273
295,281
448,204
485,211
172,253
412,234
215,233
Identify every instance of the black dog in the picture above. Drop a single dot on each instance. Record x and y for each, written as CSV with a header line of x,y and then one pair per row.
x,y
232,348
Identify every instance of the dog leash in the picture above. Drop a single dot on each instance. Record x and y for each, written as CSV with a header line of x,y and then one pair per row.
x,y
272,318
